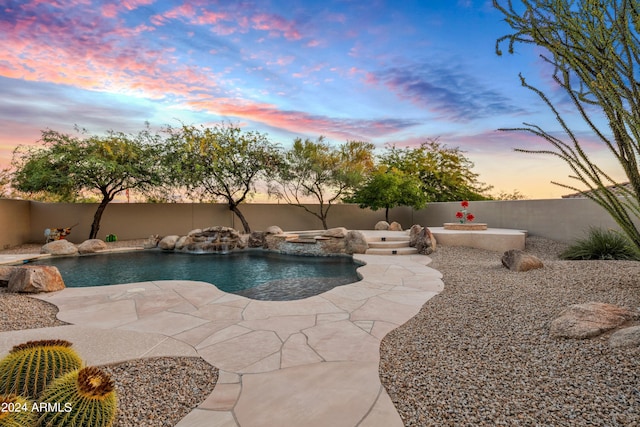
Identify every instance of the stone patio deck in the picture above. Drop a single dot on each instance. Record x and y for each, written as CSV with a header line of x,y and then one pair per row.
x,y
311,362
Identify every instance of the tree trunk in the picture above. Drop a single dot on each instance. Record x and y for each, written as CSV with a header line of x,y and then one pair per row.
x,y
245,224
95,226
386,214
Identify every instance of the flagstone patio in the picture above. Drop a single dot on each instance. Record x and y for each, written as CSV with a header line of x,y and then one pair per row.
x,y
311,362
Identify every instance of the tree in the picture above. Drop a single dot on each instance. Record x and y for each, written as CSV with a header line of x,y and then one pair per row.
x,y
5,181
326,174
514,195
67,165
388,187
223,162
594,49
445,172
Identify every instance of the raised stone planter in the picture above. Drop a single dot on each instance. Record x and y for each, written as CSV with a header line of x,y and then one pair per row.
x,y
465,226
493,239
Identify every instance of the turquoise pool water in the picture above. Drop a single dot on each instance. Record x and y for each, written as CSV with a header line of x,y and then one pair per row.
x,y
255,274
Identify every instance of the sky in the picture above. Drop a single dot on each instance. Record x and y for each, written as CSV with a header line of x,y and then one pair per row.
x,y
386,72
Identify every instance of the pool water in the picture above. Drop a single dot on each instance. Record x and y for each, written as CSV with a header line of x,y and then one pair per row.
x,y
255,274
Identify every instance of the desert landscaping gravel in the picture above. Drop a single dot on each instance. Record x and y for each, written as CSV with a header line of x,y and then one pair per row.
x,y
479,353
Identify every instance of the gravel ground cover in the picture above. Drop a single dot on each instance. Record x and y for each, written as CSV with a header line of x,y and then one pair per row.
x,y
153,392
479,353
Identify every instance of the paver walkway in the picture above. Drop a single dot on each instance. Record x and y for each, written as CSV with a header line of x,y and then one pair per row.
x,y
311,362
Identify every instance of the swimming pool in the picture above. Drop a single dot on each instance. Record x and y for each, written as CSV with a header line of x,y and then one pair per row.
x,y
254,274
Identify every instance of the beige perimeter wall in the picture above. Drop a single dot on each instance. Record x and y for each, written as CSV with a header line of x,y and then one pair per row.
x,y
23,221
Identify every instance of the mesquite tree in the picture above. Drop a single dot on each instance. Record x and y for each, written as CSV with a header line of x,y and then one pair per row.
x,y
318,171
68,165
594,49
223,162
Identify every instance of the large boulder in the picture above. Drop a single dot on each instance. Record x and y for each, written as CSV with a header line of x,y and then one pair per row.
x,y
413,234
181,242
34,279
517,260
381,225
355,242
626,337
59,247
91,246
168,243
6,271
589,320
338,232
333,245
395,226
256,239
425,242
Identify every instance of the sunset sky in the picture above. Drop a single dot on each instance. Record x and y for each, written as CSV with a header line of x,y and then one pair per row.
x,y
380,71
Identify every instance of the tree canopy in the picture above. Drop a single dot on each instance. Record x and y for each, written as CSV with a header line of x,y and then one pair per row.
x,y
67,165
319,171
388,187
223,162
446,173
594,51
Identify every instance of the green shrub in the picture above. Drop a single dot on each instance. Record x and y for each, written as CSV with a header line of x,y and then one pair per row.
x,y
602,244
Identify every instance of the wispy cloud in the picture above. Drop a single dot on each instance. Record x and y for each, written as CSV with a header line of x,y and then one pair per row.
x,y
302,122
444,90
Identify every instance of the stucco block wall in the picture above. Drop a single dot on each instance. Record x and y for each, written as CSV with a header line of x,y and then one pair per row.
x,y
14,222
24,221
559,219
140,220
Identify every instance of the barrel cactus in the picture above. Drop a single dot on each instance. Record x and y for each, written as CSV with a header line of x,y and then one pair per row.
x,y
111,238
30,367
16,411
87,396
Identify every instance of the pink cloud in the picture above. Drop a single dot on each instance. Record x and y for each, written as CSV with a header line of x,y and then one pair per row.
x,y
276,25
300,122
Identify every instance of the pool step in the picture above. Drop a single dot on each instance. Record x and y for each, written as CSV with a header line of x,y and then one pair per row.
x,y
393,244
392,251
390,244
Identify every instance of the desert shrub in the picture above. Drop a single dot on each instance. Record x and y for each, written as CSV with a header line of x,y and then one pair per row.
x,y
602,244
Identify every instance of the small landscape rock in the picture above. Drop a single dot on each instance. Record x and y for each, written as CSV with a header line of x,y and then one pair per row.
x,y
589,320
34,279
626,337
59,247
91,246
381,225
274,229
335,232
395,226
517,260
151,242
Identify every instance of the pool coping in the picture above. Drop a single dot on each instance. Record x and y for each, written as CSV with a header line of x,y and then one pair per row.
x,y
310,362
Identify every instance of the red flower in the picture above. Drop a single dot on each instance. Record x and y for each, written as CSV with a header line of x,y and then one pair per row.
x,y
465,204
459,215
470,217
